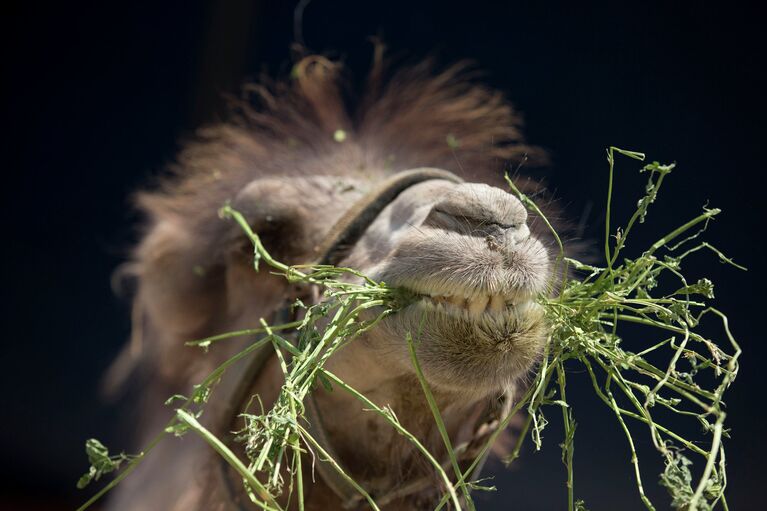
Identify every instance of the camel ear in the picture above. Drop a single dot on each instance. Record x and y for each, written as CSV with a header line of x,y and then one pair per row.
x,y
193,278
186,269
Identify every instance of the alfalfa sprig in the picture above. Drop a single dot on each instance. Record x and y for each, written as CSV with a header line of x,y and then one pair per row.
x,y
650,290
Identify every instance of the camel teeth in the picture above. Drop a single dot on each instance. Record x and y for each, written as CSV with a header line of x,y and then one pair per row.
x,y
477,306
497,304
480,306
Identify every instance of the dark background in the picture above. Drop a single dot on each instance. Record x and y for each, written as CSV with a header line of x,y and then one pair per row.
x,y
95,99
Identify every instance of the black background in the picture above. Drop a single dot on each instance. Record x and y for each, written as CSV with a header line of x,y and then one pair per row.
x,y
95,99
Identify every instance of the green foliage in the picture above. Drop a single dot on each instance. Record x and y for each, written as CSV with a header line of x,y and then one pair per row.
x,y
586,316
101,462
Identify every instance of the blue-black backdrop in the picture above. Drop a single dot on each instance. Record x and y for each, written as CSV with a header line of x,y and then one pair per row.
x,y
95,99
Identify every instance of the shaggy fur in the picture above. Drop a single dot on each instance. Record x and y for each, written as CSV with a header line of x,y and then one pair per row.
x,y
277,161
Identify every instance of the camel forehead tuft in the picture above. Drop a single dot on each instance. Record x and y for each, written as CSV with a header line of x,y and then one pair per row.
x,y
404,119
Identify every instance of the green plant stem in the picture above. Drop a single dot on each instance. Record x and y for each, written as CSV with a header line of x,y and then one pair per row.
x,y
407,434
709,464
388,416
295,444
634,458
329,459
437,418
269,503
239,333
501,427
567,444
131,466
665,240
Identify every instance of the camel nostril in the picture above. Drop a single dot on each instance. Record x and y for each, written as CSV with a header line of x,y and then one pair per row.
x,y
480,210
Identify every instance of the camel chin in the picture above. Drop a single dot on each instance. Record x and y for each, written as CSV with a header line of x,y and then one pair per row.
x,y
476,346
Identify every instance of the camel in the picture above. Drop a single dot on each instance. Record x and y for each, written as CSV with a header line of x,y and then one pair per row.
x,y
295,159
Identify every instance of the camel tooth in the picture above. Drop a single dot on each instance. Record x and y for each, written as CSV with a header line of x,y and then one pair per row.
x,y
529,309
478,304
497,304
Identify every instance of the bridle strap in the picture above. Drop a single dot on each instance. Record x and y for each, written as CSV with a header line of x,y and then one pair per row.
x,y
348,230
341,238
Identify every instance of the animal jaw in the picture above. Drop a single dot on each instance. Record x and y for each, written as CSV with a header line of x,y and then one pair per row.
x,y
470,353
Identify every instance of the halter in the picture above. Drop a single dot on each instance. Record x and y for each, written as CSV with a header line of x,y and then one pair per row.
x,y
236,383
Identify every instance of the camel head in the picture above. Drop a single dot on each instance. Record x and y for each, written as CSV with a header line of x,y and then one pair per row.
x,y
463,248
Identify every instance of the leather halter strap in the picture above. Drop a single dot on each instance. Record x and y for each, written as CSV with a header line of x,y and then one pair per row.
x,y
341,238
352,225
